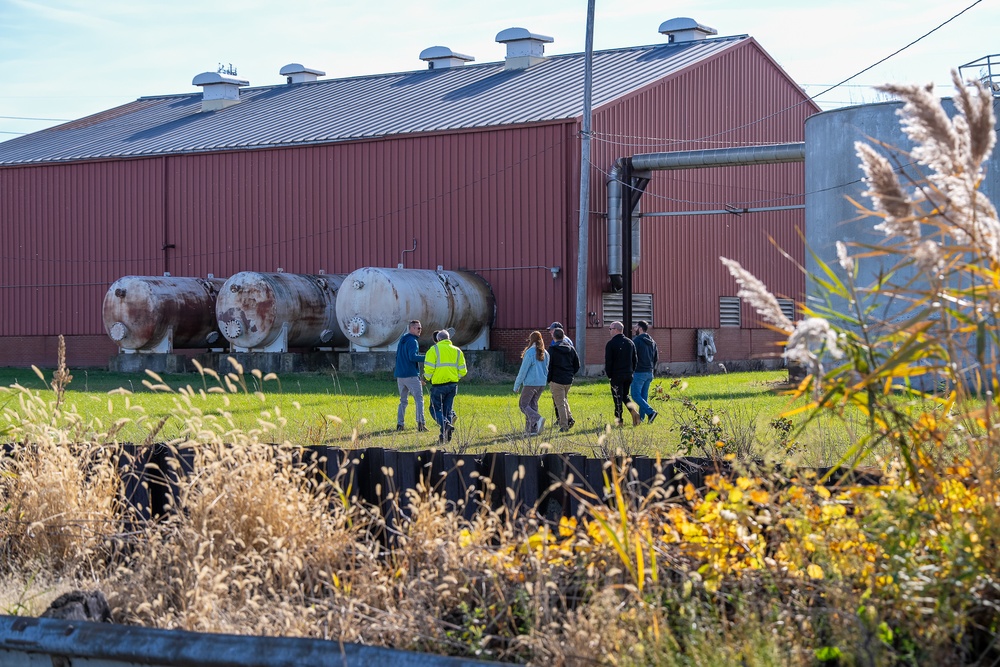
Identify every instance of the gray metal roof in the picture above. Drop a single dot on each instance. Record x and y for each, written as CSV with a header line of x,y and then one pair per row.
x,y
331,110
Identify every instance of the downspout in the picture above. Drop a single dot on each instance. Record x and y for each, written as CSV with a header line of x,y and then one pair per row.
x,y
615,226
167,245
714,157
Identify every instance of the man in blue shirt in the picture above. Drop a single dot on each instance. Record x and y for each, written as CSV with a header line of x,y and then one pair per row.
x,y
558,325
407,375
648,357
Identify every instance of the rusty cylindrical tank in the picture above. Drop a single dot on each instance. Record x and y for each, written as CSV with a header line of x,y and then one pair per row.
x,y
276,311
375,305
158,313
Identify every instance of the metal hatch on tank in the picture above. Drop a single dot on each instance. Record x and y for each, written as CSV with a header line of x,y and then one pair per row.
x,y
161,313
272,312
375,305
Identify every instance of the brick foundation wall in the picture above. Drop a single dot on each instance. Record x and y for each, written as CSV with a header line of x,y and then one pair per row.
x,y
43,351
513,341
675,345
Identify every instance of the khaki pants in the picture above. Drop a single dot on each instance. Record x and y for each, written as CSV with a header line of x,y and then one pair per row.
x,y
560,396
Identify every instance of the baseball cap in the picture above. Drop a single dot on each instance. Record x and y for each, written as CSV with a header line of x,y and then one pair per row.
x,y
555,325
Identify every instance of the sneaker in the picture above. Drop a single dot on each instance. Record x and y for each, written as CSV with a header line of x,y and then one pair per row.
x,y
539,425
399,427
454,417
420,427
652,416
572,423
563,429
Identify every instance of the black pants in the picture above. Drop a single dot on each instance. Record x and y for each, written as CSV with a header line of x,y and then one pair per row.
x,y
619,391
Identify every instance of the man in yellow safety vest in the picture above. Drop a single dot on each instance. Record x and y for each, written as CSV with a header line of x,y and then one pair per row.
x,y
444,366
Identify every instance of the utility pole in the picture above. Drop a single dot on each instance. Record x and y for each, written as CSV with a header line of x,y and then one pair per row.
x,y
583,245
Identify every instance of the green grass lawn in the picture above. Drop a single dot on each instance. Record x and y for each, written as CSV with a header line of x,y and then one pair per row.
x,y
360,411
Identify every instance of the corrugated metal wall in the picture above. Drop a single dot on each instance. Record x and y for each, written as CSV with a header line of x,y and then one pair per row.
x,y
68,231
491,202
739,98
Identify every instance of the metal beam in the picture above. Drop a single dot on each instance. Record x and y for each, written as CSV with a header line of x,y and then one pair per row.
x,y
724,211
30,642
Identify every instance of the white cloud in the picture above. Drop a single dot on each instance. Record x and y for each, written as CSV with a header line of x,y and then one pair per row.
x,y
76,14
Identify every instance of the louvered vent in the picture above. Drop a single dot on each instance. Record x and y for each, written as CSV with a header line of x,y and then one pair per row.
x,y
642,308
787,308
729,311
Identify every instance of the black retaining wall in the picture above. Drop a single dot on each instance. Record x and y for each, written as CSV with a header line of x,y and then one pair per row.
x,y
550,483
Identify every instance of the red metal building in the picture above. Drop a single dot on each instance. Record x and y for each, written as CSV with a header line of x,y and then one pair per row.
x,y
477,164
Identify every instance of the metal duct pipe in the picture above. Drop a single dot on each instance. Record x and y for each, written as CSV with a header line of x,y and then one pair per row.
x,y
700,159
721,157
615,226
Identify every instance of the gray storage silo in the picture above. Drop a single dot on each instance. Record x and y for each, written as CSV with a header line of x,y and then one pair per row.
x,y
833,174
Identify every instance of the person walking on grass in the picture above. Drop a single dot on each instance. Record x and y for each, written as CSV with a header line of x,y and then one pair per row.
x,y
620,360
444,366
407,374
531,379
648,357
564,363
552,327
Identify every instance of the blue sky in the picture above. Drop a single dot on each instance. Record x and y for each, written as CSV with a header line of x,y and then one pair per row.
x,y
65,59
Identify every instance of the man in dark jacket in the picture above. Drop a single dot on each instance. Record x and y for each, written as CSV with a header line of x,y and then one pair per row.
x,y
564,363
407,375
620,360
645,348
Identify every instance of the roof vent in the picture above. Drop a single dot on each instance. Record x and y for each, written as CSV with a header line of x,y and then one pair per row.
x,y
296,73
685,30
219,90
524,48
441,57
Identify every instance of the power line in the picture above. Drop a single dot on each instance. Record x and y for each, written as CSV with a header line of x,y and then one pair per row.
x,y
853,76
898,51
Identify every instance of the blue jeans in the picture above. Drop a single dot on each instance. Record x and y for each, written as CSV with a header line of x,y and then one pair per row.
x,y
442,400
640,393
